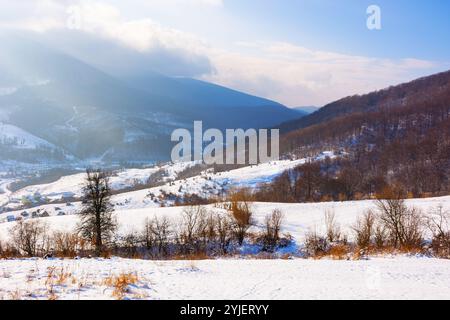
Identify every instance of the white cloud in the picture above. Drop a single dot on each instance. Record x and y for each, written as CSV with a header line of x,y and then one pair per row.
x,y
296,75
285,72
34,15
141,34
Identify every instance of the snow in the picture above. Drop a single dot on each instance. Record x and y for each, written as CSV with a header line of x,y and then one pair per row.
x,y
21,138
299,218
206,184
378,278
71,185
381,277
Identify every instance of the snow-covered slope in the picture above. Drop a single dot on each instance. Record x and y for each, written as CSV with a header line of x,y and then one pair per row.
x,y
387,277
205,184
16,137
71,185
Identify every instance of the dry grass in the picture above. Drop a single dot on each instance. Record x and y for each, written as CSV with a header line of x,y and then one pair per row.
x,y
340,252
15,295
120,284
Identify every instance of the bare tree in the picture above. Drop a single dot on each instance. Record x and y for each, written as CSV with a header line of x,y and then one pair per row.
x,y
242,214
438,223
194,224
156,234
315,244
30,237
66,244
97,222
364,229
333,228
403,225
273,224
223,229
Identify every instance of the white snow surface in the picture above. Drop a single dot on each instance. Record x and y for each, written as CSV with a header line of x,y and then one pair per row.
x,y
383,277
377,278
23,139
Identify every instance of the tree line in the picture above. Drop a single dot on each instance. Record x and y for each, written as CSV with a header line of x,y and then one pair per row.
x,y
406,145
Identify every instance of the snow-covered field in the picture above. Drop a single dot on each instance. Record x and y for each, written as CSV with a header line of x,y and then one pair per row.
x,y
378,278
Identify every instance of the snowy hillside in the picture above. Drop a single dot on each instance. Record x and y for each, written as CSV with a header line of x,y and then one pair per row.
x,y
16,137
205,184
287,275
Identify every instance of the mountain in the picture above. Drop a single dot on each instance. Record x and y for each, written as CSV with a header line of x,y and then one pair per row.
x,y
87,113
306,110
417,91
218,106
397,136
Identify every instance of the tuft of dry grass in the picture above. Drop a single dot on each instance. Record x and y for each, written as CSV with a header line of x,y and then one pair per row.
x,y
339,252
120,284
15,295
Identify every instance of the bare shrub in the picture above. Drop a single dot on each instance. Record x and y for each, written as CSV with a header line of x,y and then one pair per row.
x,y
413,229
241,212
8,250
224,227
121,284
156,235
210,231
315,245
148,235
438,223
380,236
193,227
30,237
339,252
271,234
364,229
333,229
66,244
130,243
403,225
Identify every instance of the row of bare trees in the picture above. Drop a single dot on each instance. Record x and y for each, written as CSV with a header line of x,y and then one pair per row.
x,y
220,232
401,141
199,232
392,226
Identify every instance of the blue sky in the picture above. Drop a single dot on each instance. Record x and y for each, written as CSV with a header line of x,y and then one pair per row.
x,y
298,52
419,29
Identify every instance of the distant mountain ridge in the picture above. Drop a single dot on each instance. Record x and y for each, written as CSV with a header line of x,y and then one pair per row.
x,y
90,114
417,91
418,110
306,109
